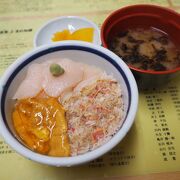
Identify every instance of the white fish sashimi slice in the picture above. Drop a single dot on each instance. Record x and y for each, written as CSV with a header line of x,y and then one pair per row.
x,y
85,83
91,75
91,80
31,85
65,95
90,71
54,86
76,76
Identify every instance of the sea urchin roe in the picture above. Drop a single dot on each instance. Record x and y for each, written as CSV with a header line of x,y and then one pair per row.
x,y
41,124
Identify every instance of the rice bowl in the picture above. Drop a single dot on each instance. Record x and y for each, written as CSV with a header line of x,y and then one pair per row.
x,y
79,52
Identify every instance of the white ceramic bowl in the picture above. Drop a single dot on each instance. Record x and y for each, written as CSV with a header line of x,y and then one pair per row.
x,y
72,23
77,51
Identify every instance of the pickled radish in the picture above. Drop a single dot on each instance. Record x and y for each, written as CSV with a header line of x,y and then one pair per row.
x,y
83,34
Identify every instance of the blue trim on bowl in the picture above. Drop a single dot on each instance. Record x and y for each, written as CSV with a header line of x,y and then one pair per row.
x,y
51,50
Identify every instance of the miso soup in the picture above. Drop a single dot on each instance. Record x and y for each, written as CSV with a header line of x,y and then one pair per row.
x,y
147,49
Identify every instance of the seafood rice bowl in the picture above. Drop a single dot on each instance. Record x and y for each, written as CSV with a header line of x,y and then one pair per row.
x,y
67,103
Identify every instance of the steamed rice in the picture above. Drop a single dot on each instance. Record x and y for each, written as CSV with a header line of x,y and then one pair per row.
x,y
94,114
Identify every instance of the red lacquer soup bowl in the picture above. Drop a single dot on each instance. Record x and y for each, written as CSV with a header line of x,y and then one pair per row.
x,y
145,16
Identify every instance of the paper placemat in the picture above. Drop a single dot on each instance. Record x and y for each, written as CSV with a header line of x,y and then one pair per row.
x,y
152,144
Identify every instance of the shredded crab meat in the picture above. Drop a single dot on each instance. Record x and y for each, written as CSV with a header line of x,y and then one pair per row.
x,y
94,114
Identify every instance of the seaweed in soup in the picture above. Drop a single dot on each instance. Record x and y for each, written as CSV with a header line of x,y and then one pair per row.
x,y
147,49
